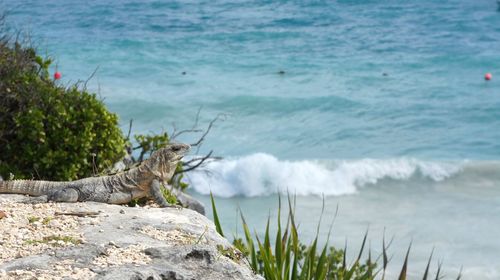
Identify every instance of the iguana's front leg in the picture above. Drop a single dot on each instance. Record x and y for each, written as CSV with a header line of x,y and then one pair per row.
x,y
158,195
64,195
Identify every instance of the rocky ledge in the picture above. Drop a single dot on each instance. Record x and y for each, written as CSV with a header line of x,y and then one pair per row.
x,y
99,241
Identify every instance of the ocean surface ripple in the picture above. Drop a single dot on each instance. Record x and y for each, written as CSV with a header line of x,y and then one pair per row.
x,y
362,79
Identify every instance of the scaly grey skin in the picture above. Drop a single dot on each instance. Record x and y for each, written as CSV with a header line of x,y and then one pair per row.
x,y
141,181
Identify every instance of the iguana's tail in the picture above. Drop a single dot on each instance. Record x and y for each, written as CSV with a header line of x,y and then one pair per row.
x,y
35,188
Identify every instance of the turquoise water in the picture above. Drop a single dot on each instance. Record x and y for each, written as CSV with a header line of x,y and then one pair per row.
x,y
382,106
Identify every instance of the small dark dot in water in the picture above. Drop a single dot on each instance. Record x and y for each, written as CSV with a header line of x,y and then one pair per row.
x,y
281,72
184,73
385,74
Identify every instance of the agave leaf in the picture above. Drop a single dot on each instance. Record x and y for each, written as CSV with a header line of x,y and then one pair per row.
x,y
438,271
385,260
295,241
216,217
331,224
362,246
428,265
350,272
250,243
268,272
268,249
460,274
344,265
369,271
295,263
321,215
322,266
278,249
267,242
311,258
288,254
402,275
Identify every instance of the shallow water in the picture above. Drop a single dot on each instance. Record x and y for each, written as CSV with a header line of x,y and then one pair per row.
x,y
382,106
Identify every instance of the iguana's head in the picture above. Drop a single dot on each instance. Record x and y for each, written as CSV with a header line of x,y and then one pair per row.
x,y
164,161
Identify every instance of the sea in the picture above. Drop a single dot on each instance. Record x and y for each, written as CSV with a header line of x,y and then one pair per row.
x,y
377,109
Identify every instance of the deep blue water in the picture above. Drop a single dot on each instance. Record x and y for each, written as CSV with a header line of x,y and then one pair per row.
x,y
379,103
333,100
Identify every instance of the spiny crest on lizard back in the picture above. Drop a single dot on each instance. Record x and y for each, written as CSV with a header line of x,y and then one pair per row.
x,y
163,162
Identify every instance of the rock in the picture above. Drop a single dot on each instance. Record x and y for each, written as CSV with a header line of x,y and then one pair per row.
x,y
4,198
54,223
140,243
188,202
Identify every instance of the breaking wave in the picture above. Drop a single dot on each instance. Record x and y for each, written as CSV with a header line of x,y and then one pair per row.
x,y
263,174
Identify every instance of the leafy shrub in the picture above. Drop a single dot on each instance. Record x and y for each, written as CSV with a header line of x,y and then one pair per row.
x,y
48,131
150,143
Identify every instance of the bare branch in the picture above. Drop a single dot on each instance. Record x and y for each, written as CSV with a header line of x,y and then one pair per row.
x,y
189,162
197,118
199,142
193,129
185,131
201,161
173,131
129,129
89,78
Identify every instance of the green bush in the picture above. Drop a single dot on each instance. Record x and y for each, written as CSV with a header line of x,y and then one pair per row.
x,y
48,131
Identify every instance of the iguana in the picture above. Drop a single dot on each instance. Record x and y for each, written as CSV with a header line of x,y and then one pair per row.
x,y
141,181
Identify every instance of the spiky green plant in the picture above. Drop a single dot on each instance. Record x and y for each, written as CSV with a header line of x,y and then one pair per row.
x,y
291,260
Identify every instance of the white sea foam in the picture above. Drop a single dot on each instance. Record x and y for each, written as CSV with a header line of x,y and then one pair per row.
x,y
263,174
